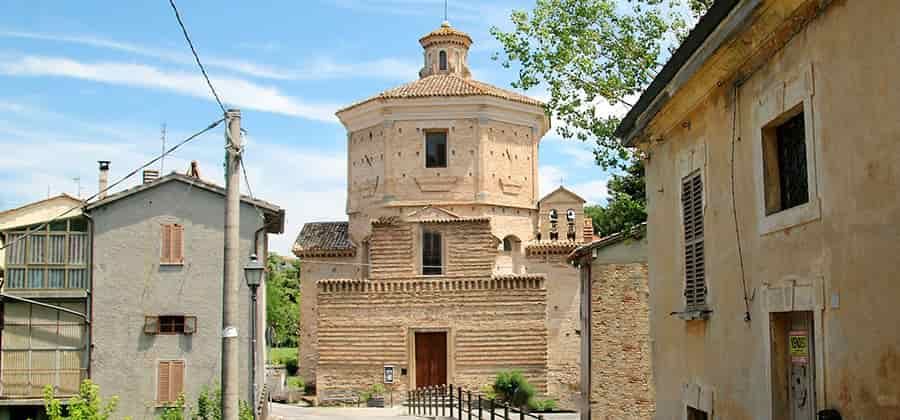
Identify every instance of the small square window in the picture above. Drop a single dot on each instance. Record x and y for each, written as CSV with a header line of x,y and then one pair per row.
x,y
171,324
436,149
784,161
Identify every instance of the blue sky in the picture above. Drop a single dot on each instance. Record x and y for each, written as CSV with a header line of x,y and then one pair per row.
x,y
88,81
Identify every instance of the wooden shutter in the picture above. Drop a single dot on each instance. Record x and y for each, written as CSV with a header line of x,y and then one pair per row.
x,y
177,244
163,381
190,325
151,325
170,380
694,253
177,379
166,254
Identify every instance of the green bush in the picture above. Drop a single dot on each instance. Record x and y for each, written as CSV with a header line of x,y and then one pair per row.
x,y
487,392
87,405
512,388
209,407
295,383
277,355
542,405
175,412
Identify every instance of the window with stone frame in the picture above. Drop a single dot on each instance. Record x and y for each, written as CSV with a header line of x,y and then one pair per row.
x,y
442,57
170,324
695,414
784,162
694,247
172,244
432,253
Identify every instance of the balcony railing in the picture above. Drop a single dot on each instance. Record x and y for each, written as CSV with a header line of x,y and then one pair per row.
x,y
459,404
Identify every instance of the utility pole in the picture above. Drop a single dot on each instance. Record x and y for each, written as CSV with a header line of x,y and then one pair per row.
x,y
232,269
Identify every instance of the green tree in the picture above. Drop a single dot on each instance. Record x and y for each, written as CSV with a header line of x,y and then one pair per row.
x,y
587,52
86,405
627,202
282,299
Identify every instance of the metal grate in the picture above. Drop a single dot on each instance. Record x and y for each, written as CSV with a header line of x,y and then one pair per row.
x,y
694,252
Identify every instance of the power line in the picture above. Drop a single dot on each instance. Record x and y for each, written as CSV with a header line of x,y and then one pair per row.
x,y
196,57
114,184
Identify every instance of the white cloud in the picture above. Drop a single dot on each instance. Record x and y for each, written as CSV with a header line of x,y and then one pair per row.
x,y
319,68
240,92
309,184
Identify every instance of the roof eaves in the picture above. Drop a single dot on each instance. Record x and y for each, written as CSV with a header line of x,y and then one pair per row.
x,y
652,99
638,231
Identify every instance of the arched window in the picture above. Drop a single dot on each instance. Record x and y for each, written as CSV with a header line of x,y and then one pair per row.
x,y
443,60
511,243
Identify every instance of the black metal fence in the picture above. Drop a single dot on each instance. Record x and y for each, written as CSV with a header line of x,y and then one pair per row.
x,y
456,403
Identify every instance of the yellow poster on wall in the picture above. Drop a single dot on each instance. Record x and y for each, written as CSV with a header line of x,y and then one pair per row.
x,y
799,347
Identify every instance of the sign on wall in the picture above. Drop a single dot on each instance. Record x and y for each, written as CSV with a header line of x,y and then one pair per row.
x,y
388,374
799,347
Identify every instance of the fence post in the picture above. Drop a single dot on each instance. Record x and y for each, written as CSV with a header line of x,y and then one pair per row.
x,y
505,411
493,404
428,401
469,398
460,401
451,400
521,414
479,406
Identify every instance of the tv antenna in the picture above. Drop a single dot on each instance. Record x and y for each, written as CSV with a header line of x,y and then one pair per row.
x,y
162,138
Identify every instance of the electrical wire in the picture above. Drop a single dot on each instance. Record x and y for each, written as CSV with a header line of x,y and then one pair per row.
x,y
114,184
196,57
737,228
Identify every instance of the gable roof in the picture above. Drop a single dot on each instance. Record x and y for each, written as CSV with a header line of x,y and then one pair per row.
x,y
324,239
19,216
26,206
446,85
275,214
698,36
562,190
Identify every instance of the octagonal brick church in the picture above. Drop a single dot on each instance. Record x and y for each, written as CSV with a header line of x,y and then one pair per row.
x,y
450,267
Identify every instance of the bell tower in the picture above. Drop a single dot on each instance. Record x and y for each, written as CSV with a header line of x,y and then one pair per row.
x,y
446,52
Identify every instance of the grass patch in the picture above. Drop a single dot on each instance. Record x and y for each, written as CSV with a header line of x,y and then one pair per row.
x,y
278,355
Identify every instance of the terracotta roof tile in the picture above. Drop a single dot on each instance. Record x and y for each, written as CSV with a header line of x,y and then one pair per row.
x,y
447,85
324,239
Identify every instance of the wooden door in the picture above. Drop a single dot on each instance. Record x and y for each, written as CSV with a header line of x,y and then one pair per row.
x,y
802,368
431,358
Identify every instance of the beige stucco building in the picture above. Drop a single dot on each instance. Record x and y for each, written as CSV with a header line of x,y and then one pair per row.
x,y
450,268
771,141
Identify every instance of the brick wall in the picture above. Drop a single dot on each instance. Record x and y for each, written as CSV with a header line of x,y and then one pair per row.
x,y
621,379
492,324
470,249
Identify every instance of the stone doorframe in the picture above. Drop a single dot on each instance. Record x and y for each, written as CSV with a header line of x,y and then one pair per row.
x,y
411,351
789,294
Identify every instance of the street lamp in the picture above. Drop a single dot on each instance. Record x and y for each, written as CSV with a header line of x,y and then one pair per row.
x,y
253,273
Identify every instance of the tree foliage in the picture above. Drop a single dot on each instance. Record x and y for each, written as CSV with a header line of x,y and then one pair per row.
x,y
282,299
627,202
86,405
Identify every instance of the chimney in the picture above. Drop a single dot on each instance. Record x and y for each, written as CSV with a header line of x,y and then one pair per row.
x,y
195,170
103,179
588,230
150,175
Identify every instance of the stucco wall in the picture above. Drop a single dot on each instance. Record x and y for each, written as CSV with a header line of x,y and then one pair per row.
x,y
129,283
840,262
492,324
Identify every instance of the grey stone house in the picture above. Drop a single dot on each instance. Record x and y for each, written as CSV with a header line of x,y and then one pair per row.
x,y
157,290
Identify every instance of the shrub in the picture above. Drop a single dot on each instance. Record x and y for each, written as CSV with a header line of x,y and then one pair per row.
x,y
87,405
295,383
291,365
487,391
542,405
175,412
513,388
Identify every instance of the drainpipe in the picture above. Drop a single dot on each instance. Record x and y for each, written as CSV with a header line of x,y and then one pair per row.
x,y
90,294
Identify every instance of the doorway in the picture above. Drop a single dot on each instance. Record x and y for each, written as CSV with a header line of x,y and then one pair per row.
x,y
793,366
431,358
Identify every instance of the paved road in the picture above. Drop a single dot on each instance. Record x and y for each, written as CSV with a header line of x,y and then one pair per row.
x,y
289,412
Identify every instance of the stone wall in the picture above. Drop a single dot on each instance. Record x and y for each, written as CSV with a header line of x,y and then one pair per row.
x,y
621,374
563,336
492,324
314,269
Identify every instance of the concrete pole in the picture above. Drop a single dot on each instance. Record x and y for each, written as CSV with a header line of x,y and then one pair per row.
x,y
232,269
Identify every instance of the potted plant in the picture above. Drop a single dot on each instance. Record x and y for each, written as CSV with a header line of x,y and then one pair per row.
x,y
374,396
